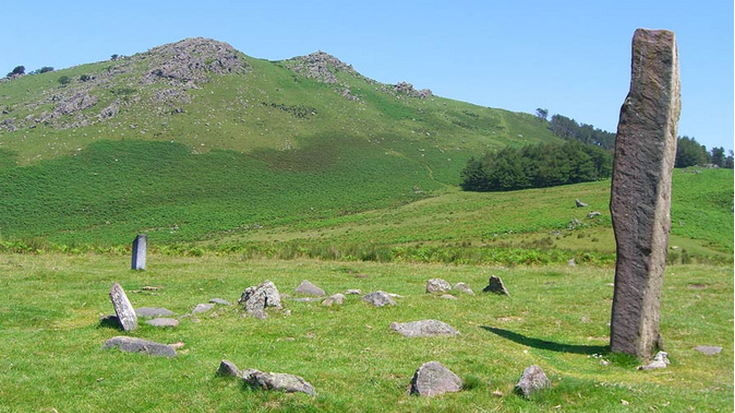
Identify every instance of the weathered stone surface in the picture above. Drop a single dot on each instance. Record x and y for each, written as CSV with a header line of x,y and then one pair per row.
x,y
378,299
338,299
123,309
532,380
463,288
449,297
432,379
572,262
138,345
708,350
227,369
495,285
139,252
353,291
580,204
202,308
277,381
640,198
257,299
660,361
163,322
150,312
437,286
424,328
219,301
593,214
307,288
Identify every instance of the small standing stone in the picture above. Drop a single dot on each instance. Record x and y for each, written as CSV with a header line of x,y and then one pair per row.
x,y
124,310
307,288
572,262
579,203
495,285
437,286
378,299
138,345
708,350
227,369
353,291
424,328
432,379
532,380
139,249
277,381
463,288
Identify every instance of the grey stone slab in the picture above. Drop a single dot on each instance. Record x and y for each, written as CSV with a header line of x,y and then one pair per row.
x,y
708,350
378,299
532,380
163,322
277,381
424,328
152,312
202,308
138,345
219,301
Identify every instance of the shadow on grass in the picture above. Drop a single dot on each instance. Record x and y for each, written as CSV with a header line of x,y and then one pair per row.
x,y
111,321
548,345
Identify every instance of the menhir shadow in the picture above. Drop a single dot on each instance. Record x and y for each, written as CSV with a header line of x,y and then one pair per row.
x,y
110,321
548,345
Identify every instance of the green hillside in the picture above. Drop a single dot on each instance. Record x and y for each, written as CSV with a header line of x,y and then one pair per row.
x,y
195,138
196,143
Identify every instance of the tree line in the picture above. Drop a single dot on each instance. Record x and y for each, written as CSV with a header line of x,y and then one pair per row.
x,y
690,153
537,166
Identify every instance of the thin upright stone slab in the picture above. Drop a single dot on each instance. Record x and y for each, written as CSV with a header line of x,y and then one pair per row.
x,y
640,199
124,310
139,247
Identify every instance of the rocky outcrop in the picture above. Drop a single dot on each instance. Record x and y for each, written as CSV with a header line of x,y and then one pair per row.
x,y
640,198
319,66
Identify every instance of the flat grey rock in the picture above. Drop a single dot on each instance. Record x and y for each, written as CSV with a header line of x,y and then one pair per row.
x,y
306,299
307,288
378,299
708,350
227,369
463,288
123,309
138,345
424,328
202,308
163,322
219,301
277,381
495,285
353,291
152,312
532,380
437,286
449,297
432,379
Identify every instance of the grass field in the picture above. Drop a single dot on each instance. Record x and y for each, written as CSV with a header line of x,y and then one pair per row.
x,y
556,318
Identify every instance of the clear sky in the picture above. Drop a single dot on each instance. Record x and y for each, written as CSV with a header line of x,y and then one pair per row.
x,y
570,57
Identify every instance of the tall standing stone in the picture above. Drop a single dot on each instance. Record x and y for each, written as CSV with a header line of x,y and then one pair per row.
x,y
124,310
640,200
139,246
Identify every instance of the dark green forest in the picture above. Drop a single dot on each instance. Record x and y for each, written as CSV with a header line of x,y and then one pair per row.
x,y
537,166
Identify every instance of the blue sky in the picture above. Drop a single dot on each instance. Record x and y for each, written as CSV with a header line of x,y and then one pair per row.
x,y
570,57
